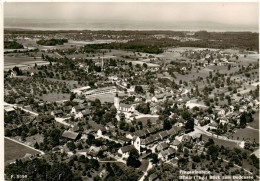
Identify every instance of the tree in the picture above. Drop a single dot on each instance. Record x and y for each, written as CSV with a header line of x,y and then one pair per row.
x,y
151,90
245,118
190,124
36,145
71,146
166,124
149,124
72,96
213,152
143,108
132,160
154,157
139,89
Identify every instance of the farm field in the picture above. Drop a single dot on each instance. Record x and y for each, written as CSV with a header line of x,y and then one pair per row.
x,y
15,150
20,60
53,97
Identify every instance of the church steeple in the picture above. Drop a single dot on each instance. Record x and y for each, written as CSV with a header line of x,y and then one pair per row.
x,y
116,101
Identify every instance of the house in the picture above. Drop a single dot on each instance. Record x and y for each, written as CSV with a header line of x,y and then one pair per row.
x,y
213,125
9,109
79,115
13,74
175,144
196,137
124,151
86,112
221,112
186,138
96,127
150,131
140,133
93,151
57,113
163,134
19,100
101,131
165,155
74,128
70,134
126,107
162,146
77,109
158,97
223,120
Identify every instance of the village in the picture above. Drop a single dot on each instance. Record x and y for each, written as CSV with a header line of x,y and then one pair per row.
x,y
145,112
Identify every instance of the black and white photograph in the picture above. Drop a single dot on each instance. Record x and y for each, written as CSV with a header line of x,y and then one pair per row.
x,y
130,91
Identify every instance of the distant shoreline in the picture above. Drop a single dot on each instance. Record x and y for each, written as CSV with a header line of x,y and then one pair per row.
x,y
78,29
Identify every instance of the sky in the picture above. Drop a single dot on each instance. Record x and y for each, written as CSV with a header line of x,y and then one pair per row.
x,y
237,13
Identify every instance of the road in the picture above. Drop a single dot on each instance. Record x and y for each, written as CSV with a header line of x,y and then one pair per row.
x,y
203,130
150,166
15,106
62,121
59,120
252,128
58,54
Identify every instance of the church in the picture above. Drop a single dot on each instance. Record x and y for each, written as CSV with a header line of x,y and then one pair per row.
x,y
126,109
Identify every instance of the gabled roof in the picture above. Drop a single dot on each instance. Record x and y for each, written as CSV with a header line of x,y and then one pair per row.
x,y
96,126
176,143
70,134
163,134
151,130
78,108
127,148
163,145
58,112
172,131
140,133
171,151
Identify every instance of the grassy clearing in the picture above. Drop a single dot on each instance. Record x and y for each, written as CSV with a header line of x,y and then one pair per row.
x,y
220,142
103,97
247,134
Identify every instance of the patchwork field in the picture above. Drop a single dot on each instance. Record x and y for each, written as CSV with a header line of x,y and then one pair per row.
x,y
14,150
10,62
